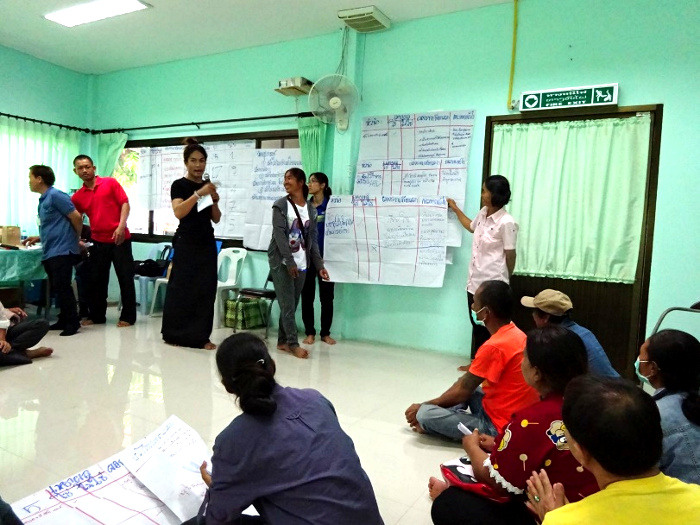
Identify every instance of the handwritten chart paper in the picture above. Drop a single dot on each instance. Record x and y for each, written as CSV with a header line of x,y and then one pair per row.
x,y
443,134
386,239
424,177
269,166
106,493
166,461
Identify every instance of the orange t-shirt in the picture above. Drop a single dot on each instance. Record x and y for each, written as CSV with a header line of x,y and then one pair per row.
x,y
498,362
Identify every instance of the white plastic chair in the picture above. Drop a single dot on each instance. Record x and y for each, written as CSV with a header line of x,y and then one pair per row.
x,y
230,264
143,281
156,287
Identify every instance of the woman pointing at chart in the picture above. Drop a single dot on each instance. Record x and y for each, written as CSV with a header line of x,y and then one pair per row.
x,y
493,246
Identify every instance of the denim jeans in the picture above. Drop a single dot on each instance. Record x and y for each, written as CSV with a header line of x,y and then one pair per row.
x,y
443,421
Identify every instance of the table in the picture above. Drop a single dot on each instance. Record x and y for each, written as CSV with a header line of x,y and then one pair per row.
x,y
22,265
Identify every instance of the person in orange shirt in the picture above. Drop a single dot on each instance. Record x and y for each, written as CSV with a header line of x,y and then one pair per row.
x,y
493,388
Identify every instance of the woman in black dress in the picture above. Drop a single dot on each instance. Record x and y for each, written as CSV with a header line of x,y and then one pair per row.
x,y
188,313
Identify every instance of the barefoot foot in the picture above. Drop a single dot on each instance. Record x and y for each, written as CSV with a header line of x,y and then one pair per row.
x,y
417,428
463,368
436,487
328,340
209,346
309,340
87,322
123,324
298,351
42,351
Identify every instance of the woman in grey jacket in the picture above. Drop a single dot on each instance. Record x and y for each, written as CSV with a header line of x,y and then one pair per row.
x,y
293,245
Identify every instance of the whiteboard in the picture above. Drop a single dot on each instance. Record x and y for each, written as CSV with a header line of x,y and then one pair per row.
x,y
269,166
397,240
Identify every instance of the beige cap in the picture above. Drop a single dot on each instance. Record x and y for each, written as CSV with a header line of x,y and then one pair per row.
x,y
549,301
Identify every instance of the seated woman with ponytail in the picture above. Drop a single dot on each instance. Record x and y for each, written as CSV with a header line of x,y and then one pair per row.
x,y
670,362
286,454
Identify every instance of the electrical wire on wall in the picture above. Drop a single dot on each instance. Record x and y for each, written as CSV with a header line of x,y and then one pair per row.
x,y
343,64
511,102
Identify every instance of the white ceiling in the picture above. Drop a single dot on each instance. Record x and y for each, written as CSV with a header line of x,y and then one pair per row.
x,y
178,29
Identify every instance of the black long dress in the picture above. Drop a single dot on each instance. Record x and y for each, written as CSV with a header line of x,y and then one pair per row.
x,y
188,312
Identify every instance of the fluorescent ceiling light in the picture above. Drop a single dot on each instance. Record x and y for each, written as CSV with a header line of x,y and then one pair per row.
x,y
93,11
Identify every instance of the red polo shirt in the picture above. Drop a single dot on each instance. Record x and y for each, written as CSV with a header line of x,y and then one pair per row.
x,y
103,206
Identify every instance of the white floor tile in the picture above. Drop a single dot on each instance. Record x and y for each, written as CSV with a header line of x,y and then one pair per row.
x,y
105,388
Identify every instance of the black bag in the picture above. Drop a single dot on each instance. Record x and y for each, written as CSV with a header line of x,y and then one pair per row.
x,y
151,268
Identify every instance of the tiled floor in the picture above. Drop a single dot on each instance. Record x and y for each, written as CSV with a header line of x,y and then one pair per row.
x,y
105,388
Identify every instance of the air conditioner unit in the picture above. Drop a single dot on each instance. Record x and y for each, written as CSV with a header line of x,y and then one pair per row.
x,y
294,87
365,19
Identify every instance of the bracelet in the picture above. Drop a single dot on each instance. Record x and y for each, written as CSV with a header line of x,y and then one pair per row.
x,y
197,195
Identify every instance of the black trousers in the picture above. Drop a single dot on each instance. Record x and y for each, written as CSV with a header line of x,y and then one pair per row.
x,y
22,337
60,272
479,333
308,297
458,507
102,256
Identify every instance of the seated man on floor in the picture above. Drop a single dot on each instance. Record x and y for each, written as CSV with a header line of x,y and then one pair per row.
x,y
613,429
553,307
493,388
18,335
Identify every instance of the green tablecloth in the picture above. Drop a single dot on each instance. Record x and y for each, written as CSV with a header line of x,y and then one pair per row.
x,y
20,265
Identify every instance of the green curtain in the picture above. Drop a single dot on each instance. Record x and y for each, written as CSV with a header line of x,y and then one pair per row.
x,y
23,144
109,148
578,190
312,143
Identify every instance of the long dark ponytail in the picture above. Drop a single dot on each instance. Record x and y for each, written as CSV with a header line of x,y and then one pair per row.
x,y
322,178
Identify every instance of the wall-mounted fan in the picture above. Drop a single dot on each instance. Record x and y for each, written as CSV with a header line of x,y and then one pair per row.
x,y
332,100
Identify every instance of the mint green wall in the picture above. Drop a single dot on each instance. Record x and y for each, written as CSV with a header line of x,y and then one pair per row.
x,y
462,61
458,61
33,88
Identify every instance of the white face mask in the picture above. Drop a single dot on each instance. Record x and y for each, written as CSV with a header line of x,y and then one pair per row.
x,y
477,321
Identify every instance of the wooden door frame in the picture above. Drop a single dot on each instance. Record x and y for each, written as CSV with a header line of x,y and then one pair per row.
x,y
640,290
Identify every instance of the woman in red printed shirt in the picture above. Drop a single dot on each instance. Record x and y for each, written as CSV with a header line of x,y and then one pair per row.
x,y
533,440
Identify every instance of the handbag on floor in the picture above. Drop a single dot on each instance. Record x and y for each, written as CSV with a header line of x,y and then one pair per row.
x,y
248,314
459,473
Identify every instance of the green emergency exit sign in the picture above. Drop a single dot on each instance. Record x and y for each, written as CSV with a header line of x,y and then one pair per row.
x,y
601,95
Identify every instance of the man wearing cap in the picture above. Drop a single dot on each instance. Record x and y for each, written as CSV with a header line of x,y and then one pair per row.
x,y
553,306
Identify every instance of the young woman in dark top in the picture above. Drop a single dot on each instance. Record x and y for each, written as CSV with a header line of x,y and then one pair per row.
x,y
286,454
319,192
188,313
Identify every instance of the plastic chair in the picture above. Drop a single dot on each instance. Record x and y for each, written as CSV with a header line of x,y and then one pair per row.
x,y
230,262
144,281
156,287
259,293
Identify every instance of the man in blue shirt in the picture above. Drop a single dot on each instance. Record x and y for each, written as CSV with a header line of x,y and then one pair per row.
x,y
59,232
553,306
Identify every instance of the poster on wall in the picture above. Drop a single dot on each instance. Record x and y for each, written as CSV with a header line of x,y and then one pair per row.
x,y
269,166
386,239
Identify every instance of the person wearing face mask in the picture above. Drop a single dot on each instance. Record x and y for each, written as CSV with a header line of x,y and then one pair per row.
x,y
669,361
493,388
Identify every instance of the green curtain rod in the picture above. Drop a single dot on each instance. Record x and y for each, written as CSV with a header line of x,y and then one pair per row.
x,y
197,124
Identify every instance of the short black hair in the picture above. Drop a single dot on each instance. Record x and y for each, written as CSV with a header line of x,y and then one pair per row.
x,y
559,354
46,173
499,188
498,297
82,157
616,422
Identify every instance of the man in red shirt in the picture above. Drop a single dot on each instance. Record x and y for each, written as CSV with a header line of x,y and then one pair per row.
x,y
106,204
493,388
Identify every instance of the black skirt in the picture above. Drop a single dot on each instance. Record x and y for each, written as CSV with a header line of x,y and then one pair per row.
x,y
188,312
